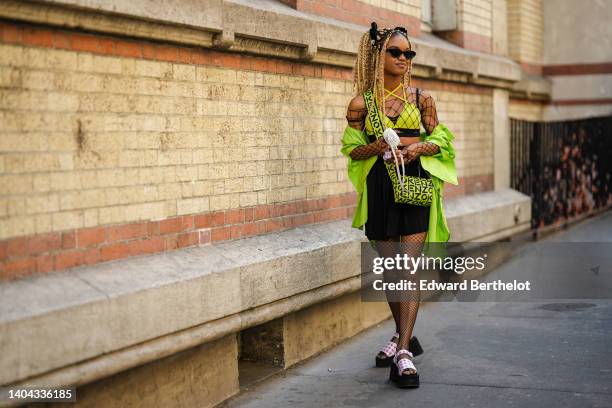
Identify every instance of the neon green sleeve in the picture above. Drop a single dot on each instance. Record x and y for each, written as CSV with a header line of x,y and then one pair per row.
x,y
357,172
441,164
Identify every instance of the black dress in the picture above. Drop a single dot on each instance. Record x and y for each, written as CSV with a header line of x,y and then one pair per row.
x,y
386,218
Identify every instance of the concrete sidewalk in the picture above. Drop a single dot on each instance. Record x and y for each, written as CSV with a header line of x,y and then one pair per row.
x,y
477,354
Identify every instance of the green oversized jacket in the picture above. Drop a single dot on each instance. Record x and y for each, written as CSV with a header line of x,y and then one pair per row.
x,y
440,166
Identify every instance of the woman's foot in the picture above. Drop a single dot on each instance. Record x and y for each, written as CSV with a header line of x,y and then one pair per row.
x,y
403,372
385,356
408,366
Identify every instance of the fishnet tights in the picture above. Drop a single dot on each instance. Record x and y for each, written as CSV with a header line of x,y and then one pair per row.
x,y
405,311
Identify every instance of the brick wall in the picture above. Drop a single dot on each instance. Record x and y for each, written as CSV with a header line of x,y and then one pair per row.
x,y
476,16
112,148
407,7
525,27
468,113
474,25
386,13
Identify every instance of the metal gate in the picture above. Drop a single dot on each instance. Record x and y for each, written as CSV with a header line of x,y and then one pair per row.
x,y
564,166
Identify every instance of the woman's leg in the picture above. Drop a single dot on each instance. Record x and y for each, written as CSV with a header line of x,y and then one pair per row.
x,y
388,248
411,245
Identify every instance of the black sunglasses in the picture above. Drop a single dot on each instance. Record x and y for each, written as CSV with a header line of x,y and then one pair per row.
x,y
396,52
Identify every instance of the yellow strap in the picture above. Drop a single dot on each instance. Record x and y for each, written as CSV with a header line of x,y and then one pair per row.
x,y
393,91
389,93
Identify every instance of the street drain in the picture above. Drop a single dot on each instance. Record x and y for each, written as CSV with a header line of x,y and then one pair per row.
x,y
565,307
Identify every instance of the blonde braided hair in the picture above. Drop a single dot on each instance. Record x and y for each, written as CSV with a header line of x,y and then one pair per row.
x,y
369,68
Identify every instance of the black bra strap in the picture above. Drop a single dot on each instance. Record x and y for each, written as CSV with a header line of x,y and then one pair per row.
x,y
418,97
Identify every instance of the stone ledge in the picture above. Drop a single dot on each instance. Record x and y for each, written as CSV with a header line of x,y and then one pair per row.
x,y
263,27
535,88
488,216
107,318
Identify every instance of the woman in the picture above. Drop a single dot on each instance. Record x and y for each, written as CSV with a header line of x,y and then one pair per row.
x,y
383,66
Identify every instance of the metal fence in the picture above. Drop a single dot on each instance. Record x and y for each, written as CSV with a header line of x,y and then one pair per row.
x,y
564,166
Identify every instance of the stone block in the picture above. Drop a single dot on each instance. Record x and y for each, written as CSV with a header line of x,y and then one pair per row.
x,y
202,376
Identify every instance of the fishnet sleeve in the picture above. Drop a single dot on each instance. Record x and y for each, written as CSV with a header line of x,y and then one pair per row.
x,y
367,151
426,148
429,114
355,117
429,117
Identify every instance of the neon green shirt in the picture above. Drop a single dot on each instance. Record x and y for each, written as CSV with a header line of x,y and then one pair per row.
x,y
440,166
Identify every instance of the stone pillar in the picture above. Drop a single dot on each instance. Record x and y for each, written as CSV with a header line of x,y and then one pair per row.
x,y
319,327
501,140
500,22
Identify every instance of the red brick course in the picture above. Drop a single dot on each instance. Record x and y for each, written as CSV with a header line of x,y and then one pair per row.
x,y
467,40
25,34
13,33
601,68
24,256
42,253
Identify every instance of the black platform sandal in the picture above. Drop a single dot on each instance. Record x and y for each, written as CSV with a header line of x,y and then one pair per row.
x,y
391,347
401,365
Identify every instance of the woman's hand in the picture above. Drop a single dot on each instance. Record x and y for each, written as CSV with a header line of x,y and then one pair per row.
x,y
391,159
411,152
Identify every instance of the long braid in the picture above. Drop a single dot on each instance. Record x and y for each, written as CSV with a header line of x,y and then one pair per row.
x,y
379,83
407,74
362,77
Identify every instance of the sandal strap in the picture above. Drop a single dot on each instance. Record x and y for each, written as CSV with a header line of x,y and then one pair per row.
x,y
391,347
404,351
404,363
